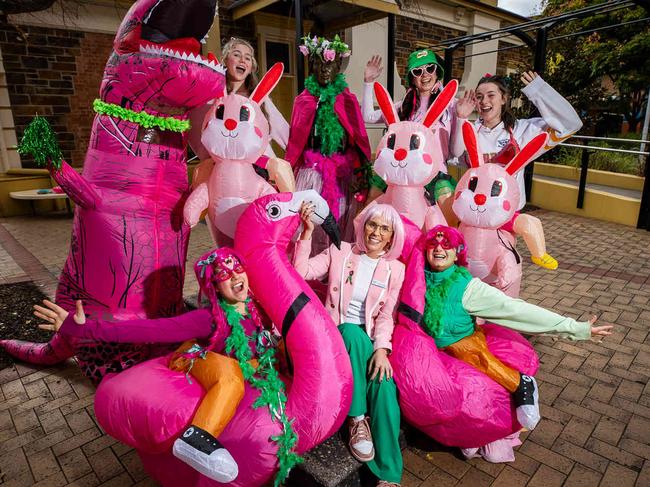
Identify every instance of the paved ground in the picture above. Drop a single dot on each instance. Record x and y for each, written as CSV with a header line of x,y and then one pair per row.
x,y
595,398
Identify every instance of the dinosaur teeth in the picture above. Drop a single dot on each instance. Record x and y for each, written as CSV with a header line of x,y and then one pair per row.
x,y
191,57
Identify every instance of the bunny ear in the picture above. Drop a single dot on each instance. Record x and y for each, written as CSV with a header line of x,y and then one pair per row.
x,y
267,83
386,104
527,153
442,101
469,137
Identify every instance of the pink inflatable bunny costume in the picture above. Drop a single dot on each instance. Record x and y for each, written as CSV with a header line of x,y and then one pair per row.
x,y
409,156
235,134
486,197
148,406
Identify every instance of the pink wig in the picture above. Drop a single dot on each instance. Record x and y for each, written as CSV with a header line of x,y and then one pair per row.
x,y
455,238
388,213
205,268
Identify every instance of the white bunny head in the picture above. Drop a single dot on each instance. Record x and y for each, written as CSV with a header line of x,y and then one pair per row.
x,y
235,128
487,194
405,155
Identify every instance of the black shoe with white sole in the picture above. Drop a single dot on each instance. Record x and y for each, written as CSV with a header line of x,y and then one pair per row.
x,y
203,452
526,399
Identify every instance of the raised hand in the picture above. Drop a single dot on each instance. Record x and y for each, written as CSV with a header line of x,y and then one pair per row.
x,y
55,315
306,210
373,69
528,76
467,104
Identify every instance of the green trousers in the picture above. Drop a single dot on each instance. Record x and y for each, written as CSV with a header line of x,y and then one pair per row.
x,y
378,400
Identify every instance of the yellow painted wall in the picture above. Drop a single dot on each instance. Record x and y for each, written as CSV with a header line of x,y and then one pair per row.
x,y
606,178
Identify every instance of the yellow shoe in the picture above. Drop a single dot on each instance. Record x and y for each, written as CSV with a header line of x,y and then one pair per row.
x,y
545,261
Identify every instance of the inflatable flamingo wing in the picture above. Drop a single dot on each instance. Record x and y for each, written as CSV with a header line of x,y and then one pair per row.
x,y
128,244
409,156
148,406
447,399
485,199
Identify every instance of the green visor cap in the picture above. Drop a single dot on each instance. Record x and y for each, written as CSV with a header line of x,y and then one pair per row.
x,y
422,58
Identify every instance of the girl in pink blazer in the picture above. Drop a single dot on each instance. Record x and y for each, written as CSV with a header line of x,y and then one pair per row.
x,y
364,281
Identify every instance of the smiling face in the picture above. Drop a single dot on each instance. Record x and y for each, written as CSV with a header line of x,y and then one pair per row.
x,y
378,234
491,101
235,289
441,255
427,79
239,63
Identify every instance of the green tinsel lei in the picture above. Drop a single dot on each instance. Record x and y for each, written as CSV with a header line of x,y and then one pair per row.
x,y
328,128
435,299
40,142
267,381
141,118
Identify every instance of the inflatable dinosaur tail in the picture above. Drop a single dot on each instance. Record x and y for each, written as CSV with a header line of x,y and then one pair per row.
x,y
50,353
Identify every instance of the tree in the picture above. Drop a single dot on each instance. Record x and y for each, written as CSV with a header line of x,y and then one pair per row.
x,y
586,67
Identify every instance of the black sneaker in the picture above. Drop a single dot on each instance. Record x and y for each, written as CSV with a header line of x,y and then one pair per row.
x,y
526,399
203,452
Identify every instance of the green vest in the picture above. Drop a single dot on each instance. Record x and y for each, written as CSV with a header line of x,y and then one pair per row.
x,y
445,318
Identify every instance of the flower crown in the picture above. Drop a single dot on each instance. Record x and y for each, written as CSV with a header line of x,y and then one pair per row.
x,y
324,48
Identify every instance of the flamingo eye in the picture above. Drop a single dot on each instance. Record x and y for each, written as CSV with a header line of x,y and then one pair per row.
x,y
473,182
497,187
390,142
415,142
219,113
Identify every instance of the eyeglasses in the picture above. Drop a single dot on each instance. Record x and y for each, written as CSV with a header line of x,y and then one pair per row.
x,y
443,242
227,269
429,68
383,229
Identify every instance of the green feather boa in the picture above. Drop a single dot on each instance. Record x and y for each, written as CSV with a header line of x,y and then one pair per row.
x,y
436,297
267,381
328,128
141,118
40,142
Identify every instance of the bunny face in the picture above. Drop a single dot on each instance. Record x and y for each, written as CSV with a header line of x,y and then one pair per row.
x,y
235,129
486,197
405,155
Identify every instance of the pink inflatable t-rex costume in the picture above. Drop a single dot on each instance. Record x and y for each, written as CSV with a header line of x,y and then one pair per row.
x,y
148,406
409,156
449,400
235,134
129,243
486,198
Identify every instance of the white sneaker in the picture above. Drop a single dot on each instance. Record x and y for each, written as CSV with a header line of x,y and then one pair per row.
x,y
203,452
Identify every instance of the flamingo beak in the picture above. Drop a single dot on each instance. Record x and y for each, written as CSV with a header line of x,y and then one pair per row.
x,y
331,228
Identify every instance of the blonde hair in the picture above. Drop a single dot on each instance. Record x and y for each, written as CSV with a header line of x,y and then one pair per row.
x,y
251,80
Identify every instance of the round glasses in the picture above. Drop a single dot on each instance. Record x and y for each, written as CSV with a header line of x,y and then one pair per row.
x,y
383,229
429,68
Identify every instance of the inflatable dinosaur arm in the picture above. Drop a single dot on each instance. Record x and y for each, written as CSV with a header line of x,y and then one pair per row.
x,y
79,190
195,204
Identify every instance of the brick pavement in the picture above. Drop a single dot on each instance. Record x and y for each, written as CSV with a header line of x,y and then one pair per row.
x,y
595,399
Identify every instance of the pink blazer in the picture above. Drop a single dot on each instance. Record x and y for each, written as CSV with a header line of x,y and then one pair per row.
x,y
336,265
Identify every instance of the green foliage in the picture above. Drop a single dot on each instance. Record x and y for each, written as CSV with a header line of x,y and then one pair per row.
x,y
40,142
580,66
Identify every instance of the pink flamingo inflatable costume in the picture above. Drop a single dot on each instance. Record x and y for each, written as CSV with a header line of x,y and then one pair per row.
x,y
129,244
148,406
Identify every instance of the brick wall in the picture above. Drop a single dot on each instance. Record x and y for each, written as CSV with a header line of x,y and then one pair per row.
x,y
55,73
411,34
513,58
243,28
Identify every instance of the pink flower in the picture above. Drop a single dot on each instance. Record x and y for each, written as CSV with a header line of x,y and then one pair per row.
x,y
329,55
303,49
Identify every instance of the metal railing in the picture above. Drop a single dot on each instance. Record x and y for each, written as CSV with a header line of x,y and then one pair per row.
x,y
644,210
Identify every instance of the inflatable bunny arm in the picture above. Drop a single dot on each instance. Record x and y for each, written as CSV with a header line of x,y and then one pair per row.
x,y
195,204
80,191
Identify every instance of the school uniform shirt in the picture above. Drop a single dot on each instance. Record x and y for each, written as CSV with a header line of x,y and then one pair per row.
x,y
558,118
